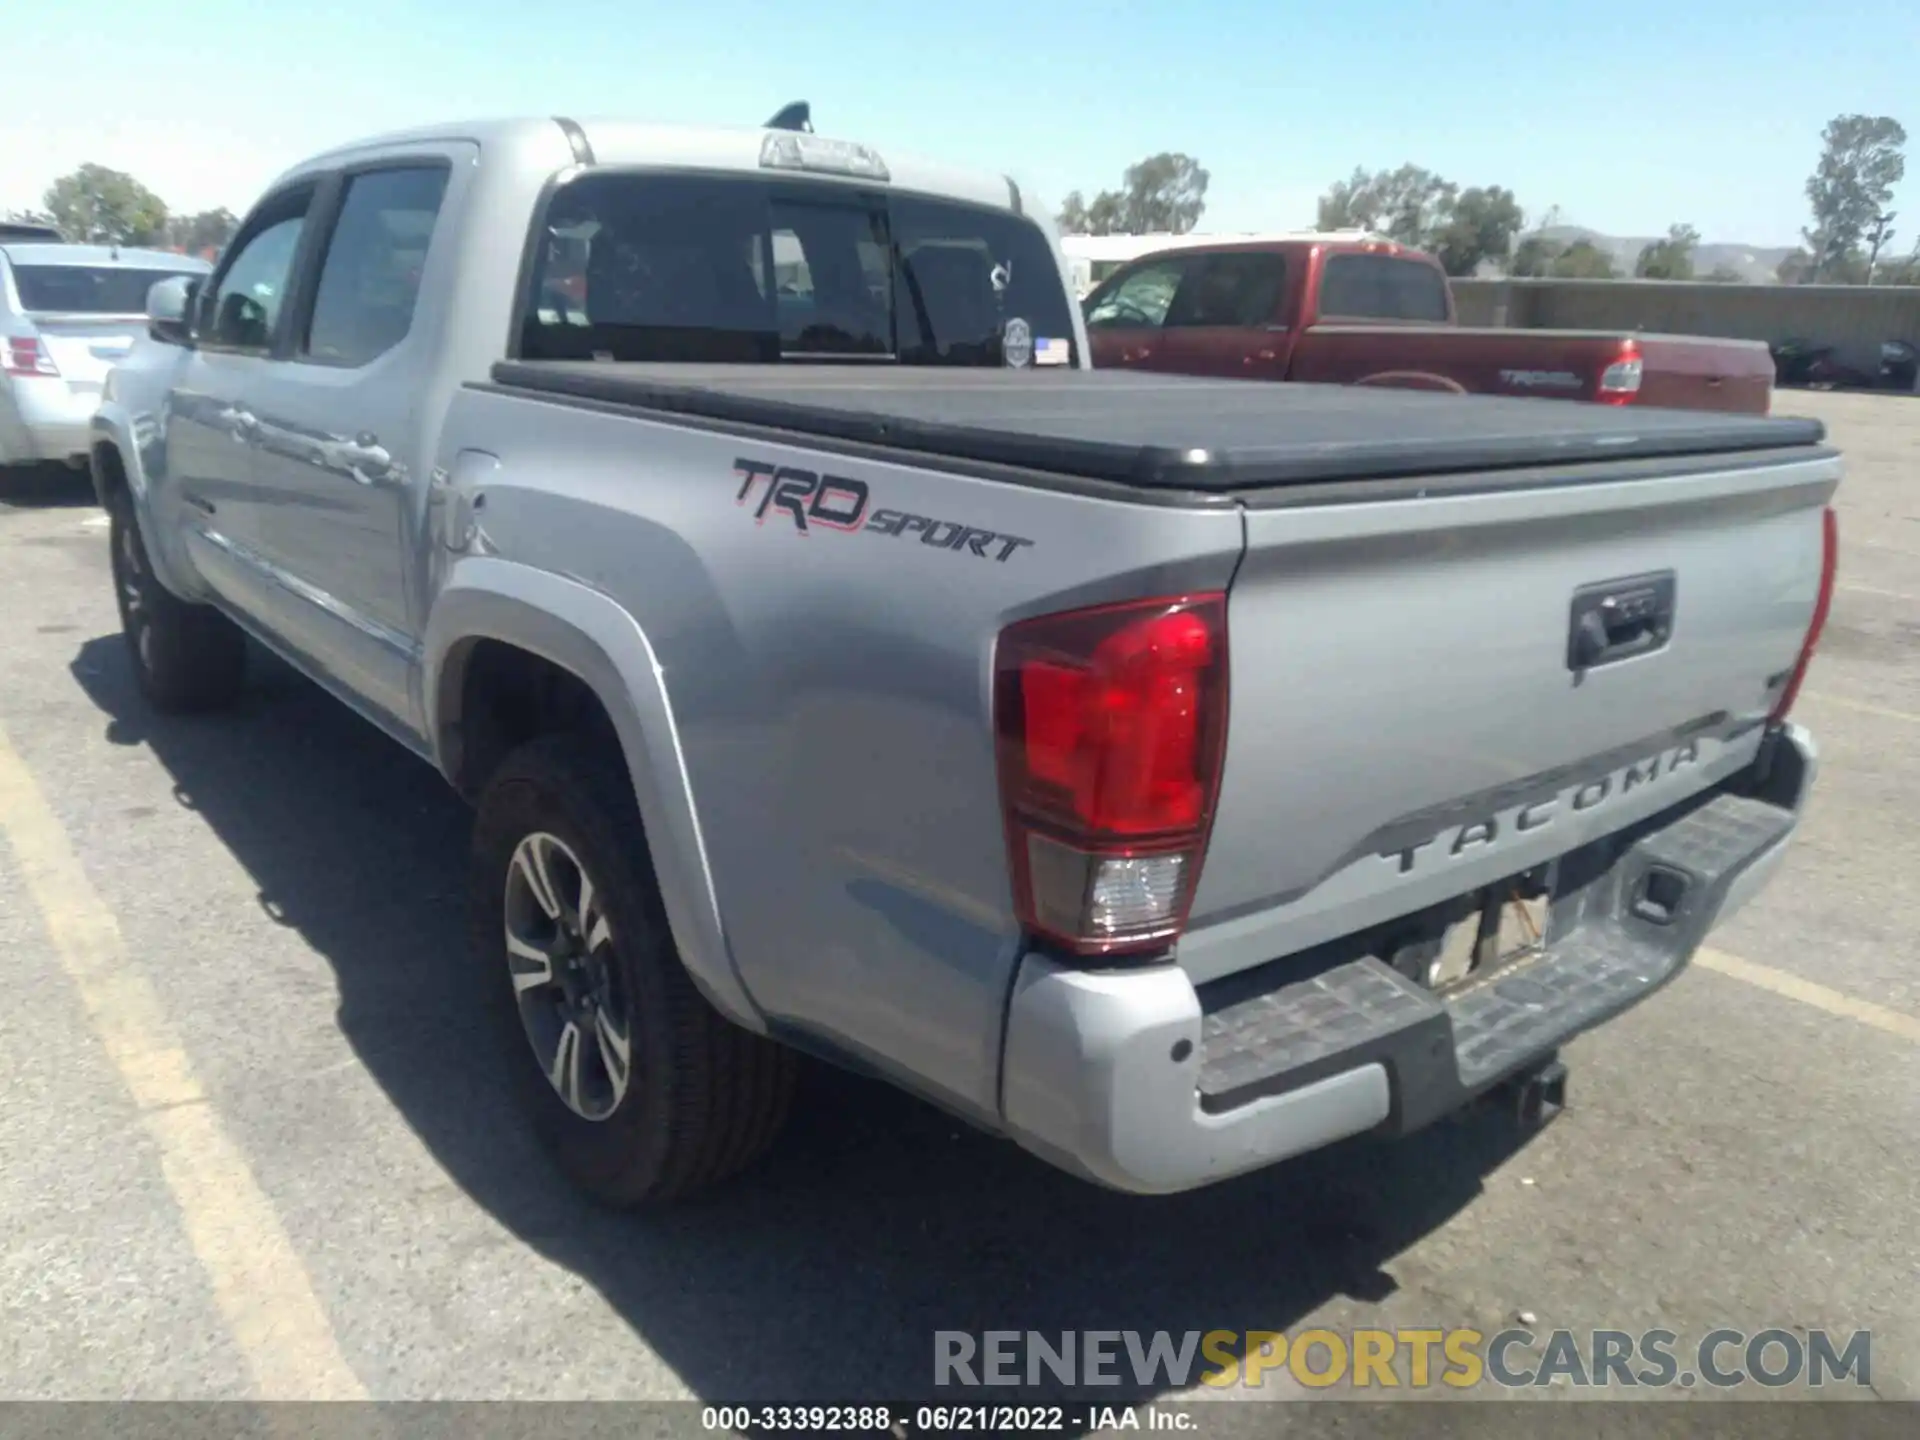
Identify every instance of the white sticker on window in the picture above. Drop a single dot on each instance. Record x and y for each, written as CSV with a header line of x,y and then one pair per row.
x,y
1016,343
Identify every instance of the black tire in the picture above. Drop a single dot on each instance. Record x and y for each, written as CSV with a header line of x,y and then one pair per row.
x,y
704,1098
185,657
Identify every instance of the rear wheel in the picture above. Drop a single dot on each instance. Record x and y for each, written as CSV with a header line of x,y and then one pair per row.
x,y
640,1089
185,657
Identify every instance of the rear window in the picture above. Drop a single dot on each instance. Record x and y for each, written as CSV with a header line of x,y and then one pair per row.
x,y
87,289
662,267
1380,287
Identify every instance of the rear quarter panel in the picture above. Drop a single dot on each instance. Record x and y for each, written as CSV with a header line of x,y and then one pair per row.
x,y
831,692
1443,357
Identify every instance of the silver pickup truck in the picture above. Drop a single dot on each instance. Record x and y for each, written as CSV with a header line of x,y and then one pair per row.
x,y
1171,775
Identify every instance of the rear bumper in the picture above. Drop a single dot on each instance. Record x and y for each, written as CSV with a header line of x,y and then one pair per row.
x,y
1137,1080
44,419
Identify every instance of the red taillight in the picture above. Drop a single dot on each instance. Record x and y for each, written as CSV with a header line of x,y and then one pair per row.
x,y
1111,726
1620,381
25,355
1829,566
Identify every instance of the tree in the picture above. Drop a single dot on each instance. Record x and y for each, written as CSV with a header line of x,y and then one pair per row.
x,y
1410,204
1583,260
1162,194
1671,258
209,230
1541,256
98,206
1165,192
1107,214
1724,274
1904,271
1795,269
1481,226
1861,160
1416,207
1878,235
1533,257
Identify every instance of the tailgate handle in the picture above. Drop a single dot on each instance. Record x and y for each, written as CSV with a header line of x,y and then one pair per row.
x,y
1616,620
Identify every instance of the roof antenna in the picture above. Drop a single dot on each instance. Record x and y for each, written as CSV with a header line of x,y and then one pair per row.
x,y
796,116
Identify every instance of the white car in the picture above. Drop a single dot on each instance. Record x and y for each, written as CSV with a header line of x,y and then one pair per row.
x,y
68,314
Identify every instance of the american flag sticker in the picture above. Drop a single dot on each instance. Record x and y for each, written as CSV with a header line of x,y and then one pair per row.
x,y
1052,352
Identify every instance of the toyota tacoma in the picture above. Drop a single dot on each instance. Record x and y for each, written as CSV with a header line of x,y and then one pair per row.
x,y
1171,775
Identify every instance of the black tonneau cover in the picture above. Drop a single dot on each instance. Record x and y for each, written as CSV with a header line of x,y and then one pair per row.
x,y
1166,431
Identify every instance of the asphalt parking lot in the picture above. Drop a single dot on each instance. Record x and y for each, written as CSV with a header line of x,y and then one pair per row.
x,y
254,1145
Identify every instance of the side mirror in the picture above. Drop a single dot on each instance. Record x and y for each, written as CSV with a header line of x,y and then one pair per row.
x,y
169,303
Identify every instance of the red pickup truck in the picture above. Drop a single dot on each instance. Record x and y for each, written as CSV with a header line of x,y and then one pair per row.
x,y
1345,310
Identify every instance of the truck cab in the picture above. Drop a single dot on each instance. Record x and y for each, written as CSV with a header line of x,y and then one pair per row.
x,y
1240,308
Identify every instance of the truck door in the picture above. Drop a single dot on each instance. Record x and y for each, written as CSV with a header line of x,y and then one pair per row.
x,y
1125,315
345,426
1226,320
211,428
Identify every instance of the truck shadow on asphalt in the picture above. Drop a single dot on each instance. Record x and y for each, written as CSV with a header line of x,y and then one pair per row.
x,y
824,1273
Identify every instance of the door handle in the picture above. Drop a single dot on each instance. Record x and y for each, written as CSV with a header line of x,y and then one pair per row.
x,y
365,459
243,425
1619,619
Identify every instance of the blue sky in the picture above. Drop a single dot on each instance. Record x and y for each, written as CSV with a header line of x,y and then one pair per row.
x,y
1626,114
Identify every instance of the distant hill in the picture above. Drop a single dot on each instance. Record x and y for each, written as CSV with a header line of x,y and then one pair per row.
x,y
1755,263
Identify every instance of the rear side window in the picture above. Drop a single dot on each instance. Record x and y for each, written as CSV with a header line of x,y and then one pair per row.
x,y
664,267
1381,287
87,289
1240,290
1137,298
370,279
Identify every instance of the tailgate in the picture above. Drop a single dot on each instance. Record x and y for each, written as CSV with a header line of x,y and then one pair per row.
x,y
1405,722
1687,373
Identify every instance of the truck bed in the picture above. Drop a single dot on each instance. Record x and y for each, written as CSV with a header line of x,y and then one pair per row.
x,y
1192,437
1680,372
1416,718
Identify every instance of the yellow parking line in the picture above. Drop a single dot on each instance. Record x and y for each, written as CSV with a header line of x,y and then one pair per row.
x,y
1907,1027
1865,709
258,1282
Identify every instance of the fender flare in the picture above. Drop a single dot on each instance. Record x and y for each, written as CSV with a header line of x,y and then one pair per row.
x,y
589,635
108,431
114,428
